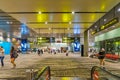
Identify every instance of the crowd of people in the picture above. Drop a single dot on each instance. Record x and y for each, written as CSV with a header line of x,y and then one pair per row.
x,y
14,53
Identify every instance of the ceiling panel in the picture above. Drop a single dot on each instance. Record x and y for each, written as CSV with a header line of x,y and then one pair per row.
x,y
26,11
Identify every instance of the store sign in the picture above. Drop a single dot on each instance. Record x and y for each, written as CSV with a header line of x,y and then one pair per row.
x,y
110,23
45,39
70,39
93,32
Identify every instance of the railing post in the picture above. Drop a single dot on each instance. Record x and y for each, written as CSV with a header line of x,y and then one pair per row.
x,y
29,74
48,73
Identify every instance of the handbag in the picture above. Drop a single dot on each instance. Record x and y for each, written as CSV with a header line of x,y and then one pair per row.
x,y
15,54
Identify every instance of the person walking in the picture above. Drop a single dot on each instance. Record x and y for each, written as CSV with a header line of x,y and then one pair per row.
x,y
12,58
101,57
2,56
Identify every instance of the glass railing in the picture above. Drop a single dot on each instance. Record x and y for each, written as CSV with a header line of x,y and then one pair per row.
x,y
98,73
43,74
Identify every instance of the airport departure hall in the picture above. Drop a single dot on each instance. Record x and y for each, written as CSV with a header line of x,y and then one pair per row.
x,y
59,39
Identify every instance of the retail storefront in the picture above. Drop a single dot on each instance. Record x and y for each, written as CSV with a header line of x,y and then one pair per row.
x,y
106,31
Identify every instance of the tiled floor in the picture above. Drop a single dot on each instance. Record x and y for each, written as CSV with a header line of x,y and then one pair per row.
x,y
61,65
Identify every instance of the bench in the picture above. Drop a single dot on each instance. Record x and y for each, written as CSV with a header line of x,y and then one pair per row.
x,y
112,56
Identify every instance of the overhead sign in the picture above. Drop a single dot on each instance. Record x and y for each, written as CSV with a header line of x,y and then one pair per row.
x,y
104,26
45,39
70,39
110,23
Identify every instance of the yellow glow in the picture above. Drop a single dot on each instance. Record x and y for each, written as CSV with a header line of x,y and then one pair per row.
x,y
42,17
103,7
93,17
65,78
67,17
102,27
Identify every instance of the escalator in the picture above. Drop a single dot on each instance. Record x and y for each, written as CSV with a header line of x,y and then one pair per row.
x,y
97,73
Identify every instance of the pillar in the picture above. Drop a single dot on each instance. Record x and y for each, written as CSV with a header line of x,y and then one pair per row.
x,y
86,43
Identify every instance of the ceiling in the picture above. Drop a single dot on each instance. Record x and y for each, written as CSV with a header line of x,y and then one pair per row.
x,y
55,16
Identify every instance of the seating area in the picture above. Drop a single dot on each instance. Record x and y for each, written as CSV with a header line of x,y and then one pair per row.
x,y
112,56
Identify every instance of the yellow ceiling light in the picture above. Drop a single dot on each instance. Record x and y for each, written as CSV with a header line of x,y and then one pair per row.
x,y
39,12
66,17
103,7
42,17
93,17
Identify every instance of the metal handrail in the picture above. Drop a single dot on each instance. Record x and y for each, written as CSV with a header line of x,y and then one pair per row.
x,y
40,73
94,68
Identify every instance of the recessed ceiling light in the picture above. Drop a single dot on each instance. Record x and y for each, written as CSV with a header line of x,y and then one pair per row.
x,y
73,12
118,9
39,12
105,19
8,22
69,22
46,22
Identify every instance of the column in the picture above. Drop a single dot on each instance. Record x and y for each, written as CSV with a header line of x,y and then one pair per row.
x,y
86,43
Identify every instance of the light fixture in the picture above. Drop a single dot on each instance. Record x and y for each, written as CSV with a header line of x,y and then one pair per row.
x,y
105,19
69,22
118,9
39,12
7,22
95,26
73,12
46,22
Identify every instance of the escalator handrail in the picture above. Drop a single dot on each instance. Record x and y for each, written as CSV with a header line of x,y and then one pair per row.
x,y
95,67
40,72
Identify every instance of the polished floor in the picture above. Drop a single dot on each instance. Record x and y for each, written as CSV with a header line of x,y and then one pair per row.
x,y
71,67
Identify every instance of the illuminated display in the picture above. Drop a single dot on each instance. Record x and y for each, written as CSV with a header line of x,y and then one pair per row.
x,y
70,39
24,45
108,24
45,39
24,30
93,32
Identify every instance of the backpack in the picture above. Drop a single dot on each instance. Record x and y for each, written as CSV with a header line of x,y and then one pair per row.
x,y
15,54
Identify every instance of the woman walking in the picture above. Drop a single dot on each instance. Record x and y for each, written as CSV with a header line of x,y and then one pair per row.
x,y
12,58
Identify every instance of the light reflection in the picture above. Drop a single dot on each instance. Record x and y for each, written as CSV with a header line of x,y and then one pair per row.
x,y
41,17
66,17
76,29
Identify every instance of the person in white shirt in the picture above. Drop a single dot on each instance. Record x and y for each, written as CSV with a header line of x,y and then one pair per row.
x,y
2,56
